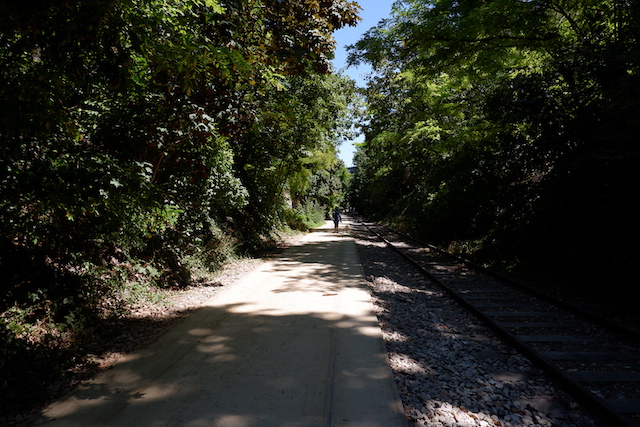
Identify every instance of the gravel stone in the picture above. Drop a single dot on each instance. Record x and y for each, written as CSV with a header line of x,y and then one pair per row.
x,y
450,370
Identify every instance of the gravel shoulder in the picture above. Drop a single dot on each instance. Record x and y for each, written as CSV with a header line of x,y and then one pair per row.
x,y
450,369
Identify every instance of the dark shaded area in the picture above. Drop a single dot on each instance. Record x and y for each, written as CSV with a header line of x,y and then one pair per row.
x,y
530,167
35,373
241,381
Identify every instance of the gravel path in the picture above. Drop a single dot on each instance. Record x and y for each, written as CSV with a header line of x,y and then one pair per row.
x,y
450,369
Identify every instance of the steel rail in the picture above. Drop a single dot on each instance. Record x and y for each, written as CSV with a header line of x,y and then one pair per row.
x,y
597,406
619,328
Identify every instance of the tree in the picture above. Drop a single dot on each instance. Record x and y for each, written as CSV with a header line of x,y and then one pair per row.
x,y
125,132
508,127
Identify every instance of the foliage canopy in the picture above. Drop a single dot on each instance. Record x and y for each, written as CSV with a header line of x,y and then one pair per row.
x,y
507,129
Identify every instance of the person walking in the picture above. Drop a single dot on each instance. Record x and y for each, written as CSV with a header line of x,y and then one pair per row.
x,y
336,217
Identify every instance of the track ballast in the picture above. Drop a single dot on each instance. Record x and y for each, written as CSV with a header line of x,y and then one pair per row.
x,y
595,360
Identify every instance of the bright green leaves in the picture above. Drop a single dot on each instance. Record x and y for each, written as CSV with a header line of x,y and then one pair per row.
x,y
177,48
294,135
214,5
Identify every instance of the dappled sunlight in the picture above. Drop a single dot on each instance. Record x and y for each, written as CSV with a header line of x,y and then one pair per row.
x,y
449,371
443,370
199,332
395,336
217,348
445,412
408,365
295,342
402,245
228,421
372,242
270,356
372,331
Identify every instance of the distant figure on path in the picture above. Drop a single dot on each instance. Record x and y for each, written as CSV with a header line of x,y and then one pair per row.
x,y
336,217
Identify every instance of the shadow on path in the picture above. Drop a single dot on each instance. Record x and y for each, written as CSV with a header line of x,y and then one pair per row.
x,y
296,343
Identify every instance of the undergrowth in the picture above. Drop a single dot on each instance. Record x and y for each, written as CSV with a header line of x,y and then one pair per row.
x,y
46,333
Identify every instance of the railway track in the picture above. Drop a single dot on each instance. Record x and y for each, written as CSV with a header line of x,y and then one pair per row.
x,y
595,360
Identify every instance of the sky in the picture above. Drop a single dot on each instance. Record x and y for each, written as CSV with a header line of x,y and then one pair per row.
x,y
372,12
